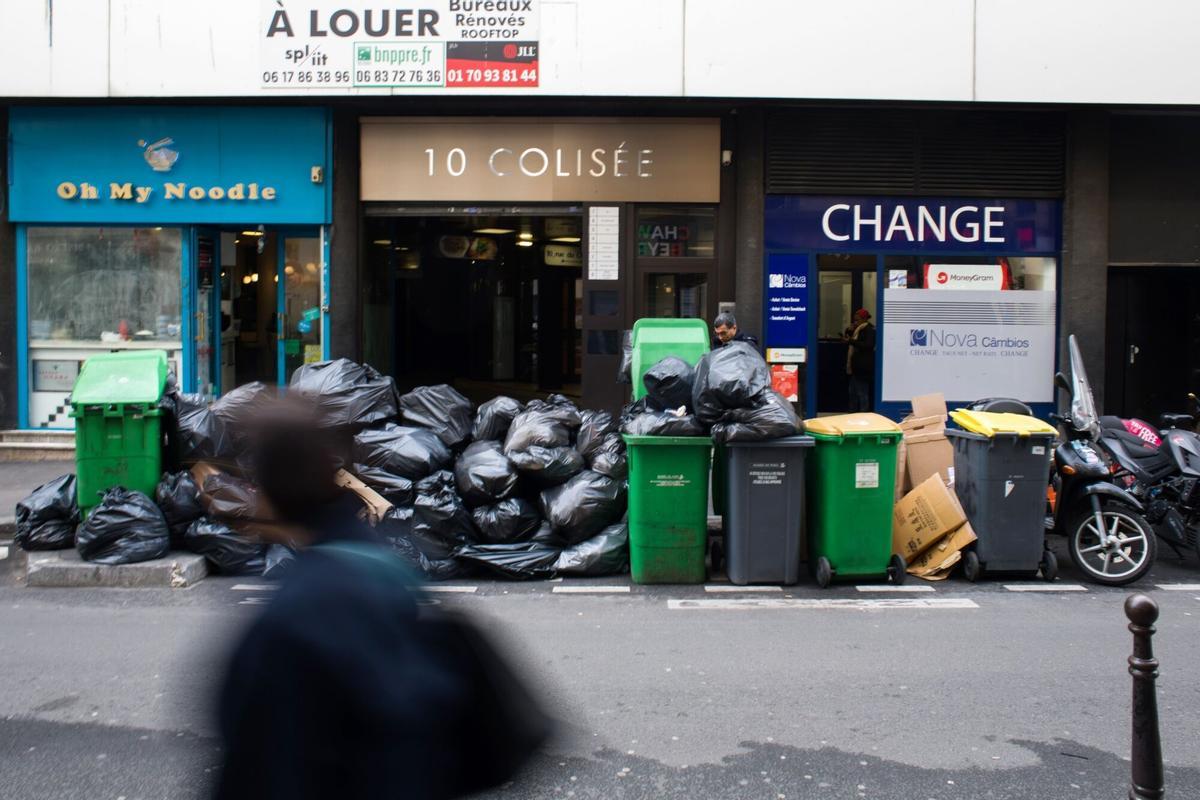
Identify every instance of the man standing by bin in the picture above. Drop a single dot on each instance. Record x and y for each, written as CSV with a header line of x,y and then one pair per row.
x,y
725,330
860,360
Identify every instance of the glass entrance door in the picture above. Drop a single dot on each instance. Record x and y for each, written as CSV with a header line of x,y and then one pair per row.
x,y
207,305
300,310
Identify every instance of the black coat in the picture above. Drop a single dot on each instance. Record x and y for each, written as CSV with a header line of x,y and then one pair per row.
x,y
738,337
862,360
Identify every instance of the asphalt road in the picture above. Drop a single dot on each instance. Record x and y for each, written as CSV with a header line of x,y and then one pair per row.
x,y
662,692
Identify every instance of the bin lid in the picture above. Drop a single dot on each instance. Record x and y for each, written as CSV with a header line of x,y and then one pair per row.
x,y
655,339
850,425
129,376
990,423
660,441
784,441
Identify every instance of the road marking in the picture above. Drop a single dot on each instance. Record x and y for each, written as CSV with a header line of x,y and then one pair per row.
x,y
254,587
1045,587
3,553
451,589
254,601
729,588
1179,587
853,604
887,587
590,590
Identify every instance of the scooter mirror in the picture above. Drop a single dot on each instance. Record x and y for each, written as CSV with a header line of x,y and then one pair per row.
x,y
1061,382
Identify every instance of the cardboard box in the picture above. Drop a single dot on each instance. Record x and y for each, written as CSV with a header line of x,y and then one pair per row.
x,y
936,563
376,505
927,450
924,516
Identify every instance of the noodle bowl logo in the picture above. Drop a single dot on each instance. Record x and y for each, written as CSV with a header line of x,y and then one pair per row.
x,y
159,155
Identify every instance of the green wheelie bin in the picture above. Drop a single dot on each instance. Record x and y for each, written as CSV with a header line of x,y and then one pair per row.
x,y
668,507
118,423
655,339
851,490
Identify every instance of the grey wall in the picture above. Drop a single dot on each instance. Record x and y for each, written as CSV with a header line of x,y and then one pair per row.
x,y
8,293
345,316
750,201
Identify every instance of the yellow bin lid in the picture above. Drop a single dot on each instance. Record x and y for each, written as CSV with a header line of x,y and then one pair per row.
x,y
990,423
850,424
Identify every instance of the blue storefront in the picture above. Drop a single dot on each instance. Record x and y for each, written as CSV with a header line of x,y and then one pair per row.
x,y
202,231
963,293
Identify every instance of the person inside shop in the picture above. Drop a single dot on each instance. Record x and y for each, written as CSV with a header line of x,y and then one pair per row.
x,y
860,360
725,330
344,686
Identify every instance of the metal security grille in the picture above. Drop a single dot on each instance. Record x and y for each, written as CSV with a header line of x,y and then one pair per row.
x,y
912,152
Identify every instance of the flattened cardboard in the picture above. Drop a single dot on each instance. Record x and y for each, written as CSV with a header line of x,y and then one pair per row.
x,y
930,405
901,478
376,505
936,563
924,516
928,450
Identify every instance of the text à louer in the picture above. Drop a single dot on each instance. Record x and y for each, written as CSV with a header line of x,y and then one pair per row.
x,y
175,190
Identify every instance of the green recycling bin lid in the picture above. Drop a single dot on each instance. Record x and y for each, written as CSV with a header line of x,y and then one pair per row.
x,y
850,425
655,339
129,376
660,441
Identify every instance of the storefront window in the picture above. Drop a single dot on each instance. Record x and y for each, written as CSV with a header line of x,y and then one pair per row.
x,y
676,232
111,285
972,273
676,295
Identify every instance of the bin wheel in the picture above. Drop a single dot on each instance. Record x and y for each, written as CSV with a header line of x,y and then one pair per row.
x,y
824,572
897,570
1049,566
972,569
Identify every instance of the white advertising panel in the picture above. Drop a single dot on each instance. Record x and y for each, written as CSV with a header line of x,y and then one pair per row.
x,y
972,277
968,344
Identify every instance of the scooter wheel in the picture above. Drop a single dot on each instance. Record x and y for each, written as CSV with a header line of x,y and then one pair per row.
x,y
1116,565
972,569
1049,566
897,569
824,572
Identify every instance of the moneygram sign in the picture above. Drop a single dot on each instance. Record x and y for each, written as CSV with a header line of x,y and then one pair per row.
x,y
331,47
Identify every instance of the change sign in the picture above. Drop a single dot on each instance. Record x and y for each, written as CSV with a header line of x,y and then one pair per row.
x,y
438,44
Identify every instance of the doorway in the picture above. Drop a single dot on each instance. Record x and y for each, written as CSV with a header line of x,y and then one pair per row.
x,y
845,283
1153,340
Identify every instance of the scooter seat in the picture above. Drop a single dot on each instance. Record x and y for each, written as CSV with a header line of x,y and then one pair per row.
x,y
1177,420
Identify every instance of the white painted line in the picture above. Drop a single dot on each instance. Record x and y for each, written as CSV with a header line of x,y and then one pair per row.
x,y
888,587
1045,587
590,590
727,588
1179,587
254,601
451,589
3,552
254,587
804,604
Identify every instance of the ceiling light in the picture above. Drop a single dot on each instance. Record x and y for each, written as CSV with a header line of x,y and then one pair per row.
x,y
567,239
289,270
524,244
495,231
525,236
384,242
401,248
254,277
410,265
277,277
311,267
252,233
246,279
237,241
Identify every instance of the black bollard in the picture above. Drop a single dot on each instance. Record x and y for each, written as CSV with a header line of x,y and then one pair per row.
x,y
1146,748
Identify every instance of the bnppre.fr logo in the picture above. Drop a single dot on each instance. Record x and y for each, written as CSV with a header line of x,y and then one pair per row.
x,y
918,337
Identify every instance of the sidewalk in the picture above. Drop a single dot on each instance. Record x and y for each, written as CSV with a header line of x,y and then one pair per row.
x,y
19,478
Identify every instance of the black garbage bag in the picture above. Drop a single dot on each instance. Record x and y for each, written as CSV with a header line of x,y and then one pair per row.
x,y
609,458
412,453
559,408
519,561
548,466
47,518
663,423
593,427
441,521
396,529
239,409
396,489
124,529
772,417
440,409
540,427
511,520
178,497
494,418
726,378
625,367
669,383
631,410
584,505
201,434
484,475
229,552
546,535
278,559
228,497
606,553
346,394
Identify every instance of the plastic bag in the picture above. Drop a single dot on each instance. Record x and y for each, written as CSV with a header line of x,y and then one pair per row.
x,y
346,394
548,466
609,458
772,417
441,521
396,529
230,553
47,518
125,528
396,489
538,427
278,559
178,497
494,418
663,423
226,497
484,475
412,453
519,561
238,411
669,383
593,427
201,433
584,505
625,367
726,378
606,553
511,520
440,409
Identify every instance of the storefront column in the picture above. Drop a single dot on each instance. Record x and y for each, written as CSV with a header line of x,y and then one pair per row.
x,y
749,210
1083,304
8,289
345,338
